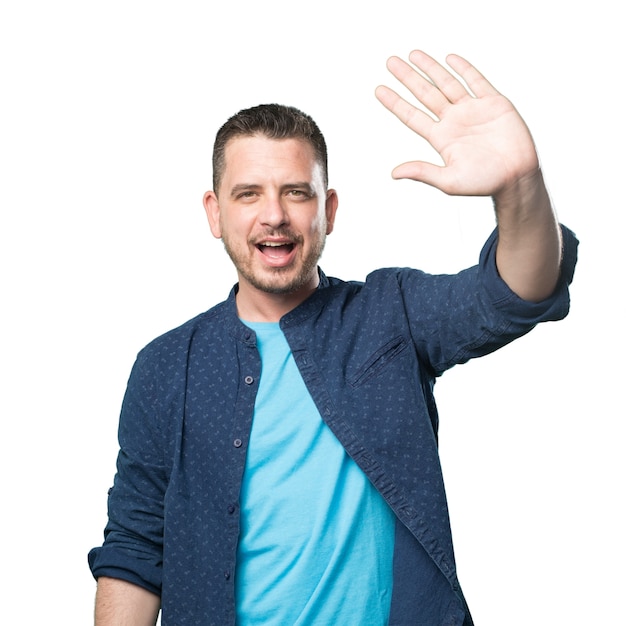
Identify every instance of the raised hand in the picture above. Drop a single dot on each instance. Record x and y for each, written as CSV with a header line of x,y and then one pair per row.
x,y
485,145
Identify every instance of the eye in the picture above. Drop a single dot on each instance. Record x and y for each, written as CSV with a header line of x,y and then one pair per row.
x,y
299,194
246,195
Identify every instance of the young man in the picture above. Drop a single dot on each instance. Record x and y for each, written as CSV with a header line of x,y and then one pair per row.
x,y
278,459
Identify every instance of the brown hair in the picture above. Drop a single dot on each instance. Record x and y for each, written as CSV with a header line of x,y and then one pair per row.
x,y
275,121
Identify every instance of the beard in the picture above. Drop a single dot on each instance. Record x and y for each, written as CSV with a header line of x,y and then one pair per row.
x,y
276,280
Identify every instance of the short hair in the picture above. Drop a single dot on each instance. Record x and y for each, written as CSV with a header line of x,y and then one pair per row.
x,y
275,121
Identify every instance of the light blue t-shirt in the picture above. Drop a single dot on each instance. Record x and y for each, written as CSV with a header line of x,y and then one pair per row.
x,y
316,542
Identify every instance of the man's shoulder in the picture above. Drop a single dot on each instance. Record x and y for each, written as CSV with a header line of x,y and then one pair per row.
x,y
382,290
180,337
379,279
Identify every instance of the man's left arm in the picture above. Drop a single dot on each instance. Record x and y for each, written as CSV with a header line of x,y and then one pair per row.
x,y
487,150
528,255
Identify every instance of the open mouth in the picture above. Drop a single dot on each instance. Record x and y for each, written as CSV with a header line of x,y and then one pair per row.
x,y
275,250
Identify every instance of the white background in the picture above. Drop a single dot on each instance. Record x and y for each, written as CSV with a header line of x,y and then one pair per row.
x,y
108,113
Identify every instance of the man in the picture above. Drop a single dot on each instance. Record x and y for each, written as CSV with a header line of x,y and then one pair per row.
x,y
278,459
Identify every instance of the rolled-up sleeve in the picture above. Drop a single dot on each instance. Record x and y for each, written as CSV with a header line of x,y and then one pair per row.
x,y
520,311
459,317
133,537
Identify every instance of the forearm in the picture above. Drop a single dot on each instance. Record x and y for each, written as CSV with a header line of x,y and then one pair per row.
x,y
120,603
528,255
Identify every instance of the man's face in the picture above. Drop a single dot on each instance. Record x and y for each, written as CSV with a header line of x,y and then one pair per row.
x,y
272,212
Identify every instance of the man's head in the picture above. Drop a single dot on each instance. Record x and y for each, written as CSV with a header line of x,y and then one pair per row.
x,y
271,205
275,121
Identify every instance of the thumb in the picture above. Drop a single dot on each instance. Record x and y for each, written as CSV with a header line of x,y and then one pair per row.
x,y
423,172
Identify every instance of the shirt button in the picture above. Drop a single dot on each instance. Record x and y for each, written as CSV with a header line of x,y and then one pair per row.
x,y
237,443
227,575
248,380
231,509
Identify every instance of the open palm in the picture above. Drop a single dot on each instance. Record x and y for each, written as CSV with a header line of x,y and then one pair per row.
x,y
484,143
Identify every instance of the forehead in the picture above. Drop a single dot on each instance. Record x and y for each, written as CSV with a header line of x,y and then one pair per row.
x,y
258,158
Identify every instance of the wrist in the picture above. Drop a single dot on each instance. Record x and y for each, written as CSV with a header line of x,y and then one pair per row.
x,y
523,193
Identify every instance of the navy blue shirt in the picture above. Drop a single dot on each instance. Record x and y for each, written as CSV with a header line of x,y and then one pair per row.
x,y
369,353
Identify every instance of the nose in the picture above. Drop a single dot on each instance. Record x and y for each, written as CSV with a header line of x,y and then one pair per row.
x,y
273,212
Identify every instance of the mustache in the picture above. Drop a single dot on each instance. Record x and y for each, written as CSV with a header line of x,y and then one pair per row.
x,y
277,233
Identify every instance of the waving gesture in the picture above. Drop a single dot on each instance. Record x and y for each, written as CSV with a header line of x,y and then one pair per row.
x,y
484,143
487,150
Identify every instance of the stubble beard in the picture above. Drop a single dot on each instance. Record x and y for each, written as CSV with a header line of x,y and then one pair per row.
x,y
277,280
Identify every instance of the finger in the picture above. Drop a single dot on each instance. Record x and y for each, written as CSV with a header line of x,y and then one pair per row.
x,y
479,85
448,84
424,172
422,88
416,120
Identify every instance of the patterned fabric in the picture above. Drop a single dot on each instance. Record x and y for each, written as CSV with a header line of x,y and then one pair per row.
x,y
369,354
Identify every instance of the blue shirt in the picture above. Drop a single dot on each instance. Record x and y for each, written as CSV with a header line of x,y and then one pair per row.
x,y
316,539
369,354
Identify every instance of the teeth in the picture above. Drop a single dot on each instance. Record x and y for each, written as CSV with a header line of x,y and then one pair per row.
x,y
273,244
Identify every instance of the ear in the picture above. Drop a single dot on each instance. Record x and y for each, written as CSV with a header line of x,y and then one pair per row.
x,y
332,202
212,210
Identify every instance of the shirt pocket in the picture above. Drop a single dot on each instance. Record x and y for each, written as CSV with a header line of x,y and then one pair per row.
x,y
378,361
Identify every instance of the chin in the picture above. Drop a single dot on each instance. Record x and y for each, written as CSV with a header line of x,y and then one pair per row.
x,y
281,287
281,282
